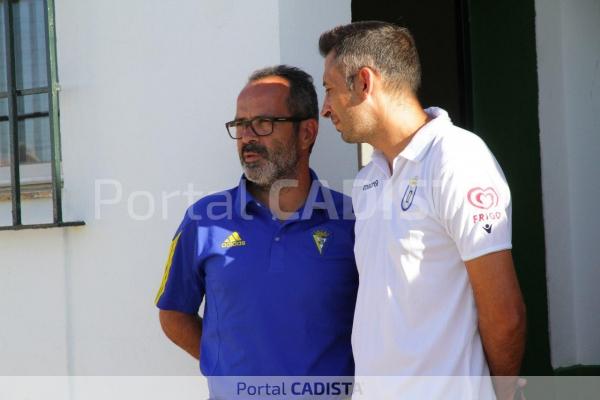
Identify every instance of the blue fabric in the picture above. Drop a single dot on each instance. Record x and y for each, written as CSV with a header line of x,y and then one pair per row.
x,y
275,303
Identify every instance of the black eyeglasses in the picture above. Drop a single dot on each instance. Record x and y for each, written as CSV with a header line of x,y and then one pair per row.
x,y
261,126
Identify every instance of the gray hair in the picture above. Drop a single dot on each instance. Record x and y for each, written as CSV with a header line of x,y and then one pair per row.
x,y
382,46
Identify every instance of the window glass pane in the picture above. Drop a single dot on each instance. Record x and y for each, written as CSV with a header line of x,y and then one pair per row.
x,y
4,134
36,196
34,129
30,44
34,158
3,86
5,204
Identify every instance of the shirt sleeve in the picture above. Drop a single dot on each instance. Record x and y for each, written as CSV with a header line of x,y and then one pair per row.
x,y
182,287
474,202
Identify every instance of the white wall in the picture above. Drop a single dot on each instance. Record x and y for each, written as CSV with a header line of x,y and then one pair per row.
x,y
33,293
146,88
301,24
569,79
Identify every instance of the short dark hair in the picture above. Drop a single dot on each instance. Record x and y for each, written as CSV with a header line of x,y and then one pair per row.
x,y
302,100
385,47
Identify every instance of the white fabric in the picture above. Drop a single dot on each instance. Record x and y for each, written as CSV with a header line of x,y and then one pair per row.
x,y
415,312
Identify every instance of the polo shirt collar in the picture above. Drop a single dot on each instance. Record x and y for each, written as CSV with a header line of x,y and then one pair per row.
x,y
243,197
419,144
315,201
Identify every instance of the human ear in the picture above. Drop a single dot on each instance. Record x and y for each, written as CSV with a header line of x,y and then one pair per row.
x,y
364,82
308,133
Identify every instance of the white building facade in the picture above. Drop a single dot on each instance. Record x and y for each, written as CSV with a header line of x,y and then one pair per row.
x,y
146,87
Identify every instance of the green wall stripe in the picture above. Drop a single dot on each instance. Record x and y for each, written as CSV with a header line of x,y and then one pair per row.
x,y
505,115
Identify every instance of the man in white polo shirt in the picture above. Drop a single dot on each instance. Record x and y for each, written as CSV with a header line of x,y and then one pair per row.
x,y
438,294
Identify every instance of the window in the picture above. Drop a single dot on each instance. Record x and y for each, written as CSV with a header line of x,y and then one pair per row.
x,y
30,165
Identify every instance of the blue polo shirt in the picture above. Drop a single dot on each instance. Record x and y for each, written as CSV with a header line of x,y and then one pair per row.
x,y
279,295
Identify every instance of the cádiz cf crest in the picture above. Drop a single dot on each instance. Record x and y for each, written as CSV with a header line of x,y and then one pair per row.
x,y
409,193
320,237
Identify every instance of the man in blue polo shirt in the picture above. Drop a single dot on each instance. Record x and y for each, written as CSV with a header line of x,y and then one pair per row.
x,y
273,257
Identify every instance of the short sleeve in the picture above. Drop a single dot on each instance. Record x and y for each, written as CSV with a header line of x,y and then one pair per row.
x,y
182,287
473,202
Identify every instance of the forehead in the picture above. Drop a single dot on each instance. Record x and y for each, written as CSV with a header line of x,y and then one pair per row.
x,y
266,96
332,72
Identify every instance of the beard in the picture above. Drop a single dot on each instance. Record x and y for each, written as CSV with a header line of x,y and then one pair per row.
x,y
281,162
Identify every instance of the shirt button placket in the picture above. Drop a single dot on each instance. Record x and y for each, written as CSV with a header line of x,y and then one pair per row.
x,y
277,252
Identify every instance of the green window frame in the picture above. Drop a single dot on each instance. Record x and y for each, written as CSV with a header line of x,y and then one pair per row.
x,y
14,94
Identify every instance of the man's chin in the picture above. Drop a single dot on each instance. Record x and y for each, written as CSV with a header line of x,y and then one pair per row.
x,y
347,137
254,168
254,176
258,181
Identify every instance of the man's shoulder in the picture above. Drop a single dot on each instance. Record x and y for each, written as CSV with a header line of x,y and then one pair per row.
x,y
223,195
454,137
341,202
366,171
219,203
456,146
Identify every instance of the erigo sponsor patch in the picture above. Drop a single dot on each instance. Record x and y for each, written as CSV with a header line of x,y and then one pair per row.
x,y
487,216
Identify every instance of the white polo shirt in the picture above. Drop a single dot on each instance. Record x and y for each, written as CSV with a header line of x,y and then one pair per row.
x,y
445,202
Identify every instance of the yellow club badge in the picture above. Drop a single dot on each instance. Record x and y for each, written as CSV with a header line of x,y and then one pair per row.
x,y
320,237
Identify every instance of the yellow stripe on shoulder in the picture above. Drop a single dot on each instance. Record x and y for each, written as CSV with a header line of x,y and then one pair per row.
x,y
167,268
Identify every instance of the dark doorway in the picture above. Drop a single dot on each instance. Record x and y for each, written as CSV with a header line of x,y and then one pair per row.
x,y
439,31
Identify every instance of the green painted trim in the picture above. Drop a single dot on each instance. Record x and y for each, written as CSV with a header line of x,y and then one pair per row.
x,y
578,370
13,111
42,226
53,109
505,115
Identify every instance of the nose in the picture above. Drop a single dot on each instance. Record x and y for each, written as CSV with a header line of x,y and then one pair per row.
x,y
246,133
326,110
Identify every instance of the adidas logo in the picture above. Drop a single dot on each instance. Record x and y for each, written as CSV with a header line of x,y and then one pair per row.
x,y
233,240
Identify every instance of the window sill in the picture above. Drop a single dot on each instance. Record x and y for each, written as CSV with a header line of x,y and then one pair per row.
x,y
41,226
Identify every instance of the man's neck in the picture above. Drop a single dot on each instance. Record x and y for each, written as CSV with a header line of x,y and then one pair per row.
x,y
285,196
399,122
